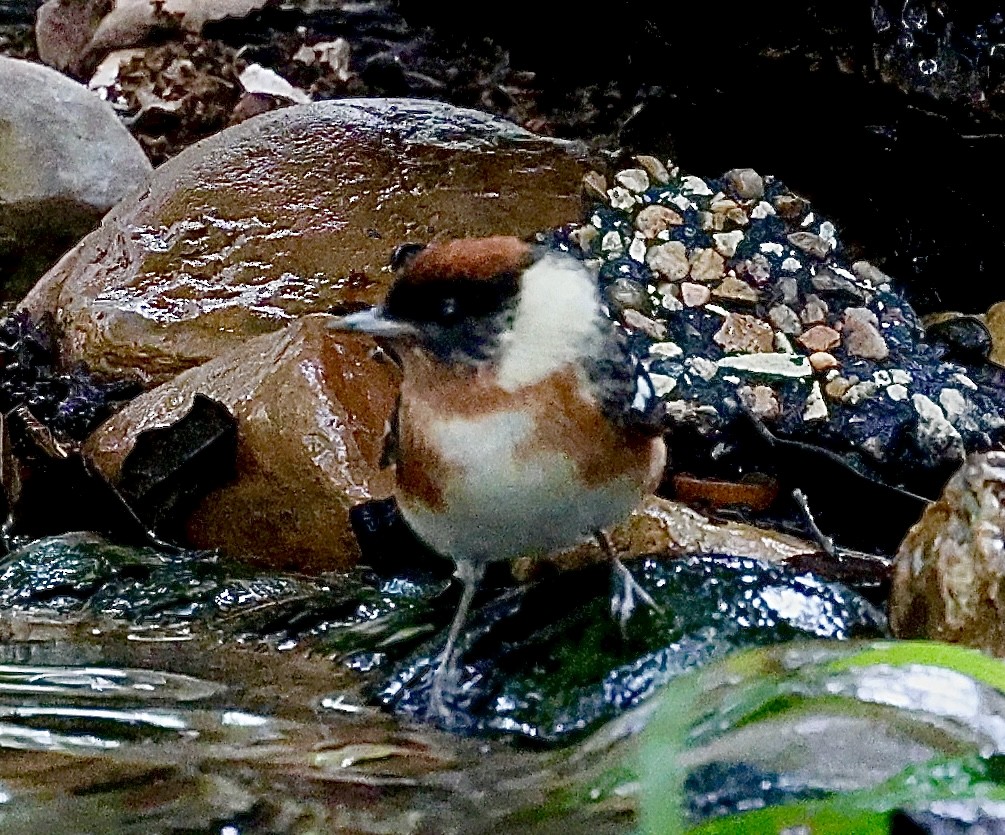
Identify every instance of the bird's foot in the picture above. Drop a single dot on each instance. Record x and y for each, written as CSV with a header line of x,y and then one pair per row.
x,y
625,593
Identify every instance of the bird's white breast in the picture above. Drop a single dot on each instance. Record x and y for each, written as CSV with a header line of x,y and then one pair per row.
x,y
502,502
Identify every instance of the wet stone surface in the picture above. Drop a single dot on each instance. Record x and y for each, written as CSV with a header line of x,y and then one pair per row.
x,y
523,673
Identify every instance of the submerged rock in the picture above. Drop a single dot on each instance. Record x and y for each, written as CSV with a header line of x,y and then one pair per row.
x,y
65,160
291,213
310,411
949,572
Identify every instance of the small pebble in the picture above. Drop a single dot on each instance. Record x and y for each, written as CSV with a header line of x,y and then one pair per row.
x,y
761,400
746,182
655,219
815,312
634,179
790,290
762,210
789,206
810,243
642,323
637,250
816,406
612,242
861,334
897,392
625,294
655,169
822,361
622,198
727,242
595,185
837,388
707,265
784,318
746,334
694,295
820,338
736,290
666,350
695,185
669,260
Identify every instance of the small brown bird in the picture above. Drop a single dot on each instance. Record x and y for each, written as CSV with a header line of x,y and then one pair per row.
x,y
524,425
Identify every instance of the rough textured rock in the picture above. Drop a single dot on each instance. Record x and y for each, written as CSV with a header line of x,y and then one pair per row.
x,y
65,159
661,526
291,213
950,569
310,409
74,35
995,321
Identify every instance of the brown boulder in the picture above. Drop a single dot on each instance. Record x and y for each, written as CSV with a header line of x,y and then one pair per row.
x,y
310,407
949,575
290,213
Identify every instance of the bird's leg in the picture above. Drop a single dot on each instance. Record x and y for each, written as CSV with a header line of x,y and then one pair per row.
x,y
625,588
445,675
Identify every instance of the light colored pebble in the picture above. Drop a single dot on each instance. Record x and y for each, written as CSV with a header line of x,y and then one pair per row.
x,y
706,265
634,179
784,318
622,198
666,350
637,250
861,334
695,185
669,260
810,243
595,185
735,289
727,242
770,365
694,295
655,169
642,323
816,406
820,338
897,392
745,334
761,400
822,361
655,219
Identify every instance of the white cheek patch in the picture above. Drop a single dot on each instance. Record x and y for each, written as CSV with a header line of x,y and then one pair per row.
x,y
557,322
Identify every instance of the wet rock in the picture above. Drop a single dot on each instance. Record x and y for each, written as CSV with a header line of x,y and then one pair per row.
x,y
694,295
65,159
274,219
74,35
996,326
735,289
310,410
666,527
771,740
522,672
669,260
706,265
965,338
951,566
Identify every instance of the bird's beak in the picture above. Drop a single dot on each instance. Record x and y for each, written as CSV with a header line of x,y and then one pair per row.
x,y
373,323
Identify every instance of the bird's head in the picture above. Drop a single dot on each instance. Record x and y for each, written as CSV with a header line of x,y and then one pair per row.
x,y
476,299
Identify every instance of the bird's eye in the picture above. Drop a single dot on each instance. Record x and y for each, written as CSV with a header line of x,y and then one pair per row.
x,y
448,309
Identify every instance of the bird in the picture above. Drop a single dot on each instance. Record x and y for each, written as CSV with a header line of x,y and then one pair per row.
x,y
524,424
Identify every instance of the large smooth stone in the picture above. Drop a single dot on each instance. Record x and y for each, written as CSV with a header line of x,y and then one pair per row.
x,y
950,570
65,160
290,213
310,408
